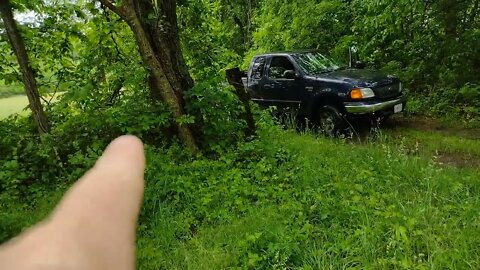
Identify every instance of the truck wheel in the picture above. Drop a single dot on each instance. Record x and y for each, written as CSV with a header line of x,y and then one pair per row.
x,y
330,121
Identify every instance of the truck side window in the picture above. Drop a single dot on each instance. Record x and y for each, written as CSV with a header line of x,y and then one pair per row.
x,y
279,65
258,67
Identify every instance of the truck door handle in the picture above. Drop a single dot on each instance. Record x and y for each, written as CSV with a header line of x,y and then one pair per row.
x,y
268,86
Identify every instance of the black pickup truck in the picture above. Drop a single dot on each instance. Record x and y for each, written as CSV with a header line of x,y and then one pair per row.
x,y
322,90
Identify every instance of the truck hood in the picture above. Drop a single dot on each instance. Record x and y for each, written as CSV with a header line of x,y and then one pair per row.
x,y
360,77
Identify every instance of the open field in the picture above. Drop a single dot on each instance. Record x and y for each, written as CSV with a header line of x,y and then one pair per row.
x,y
11,105
15,104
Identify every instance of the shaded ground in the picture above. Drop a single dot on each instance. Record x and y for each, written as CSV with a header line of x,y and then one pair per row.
x,y
432,125
460,160
398,124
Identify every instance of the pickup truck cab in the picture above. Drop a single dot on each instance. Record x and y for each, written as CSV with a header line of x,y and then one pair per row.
x,y
321,89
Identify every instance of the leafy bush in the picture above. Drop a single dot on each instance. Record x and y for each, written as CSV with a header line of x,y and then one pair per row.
x,y
449,103
217,110
76,140
30,165
10,90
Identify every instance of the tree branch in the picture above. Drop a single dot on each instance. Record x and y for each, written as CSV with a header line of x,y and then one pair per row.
x,y
118,10
110,32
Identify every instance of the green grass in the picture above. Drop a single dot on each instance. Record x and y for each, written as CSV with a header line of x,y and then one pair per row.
x,y
429,138
299,201
11,105
313,203
17,104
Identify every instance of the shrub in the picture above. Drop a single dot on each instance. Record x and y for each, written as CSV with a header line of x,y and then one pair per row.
x,y
450,103
217,110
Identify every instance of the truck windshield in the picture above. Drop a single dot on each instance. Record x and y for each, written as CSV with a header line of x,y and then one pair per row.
x,y
314,63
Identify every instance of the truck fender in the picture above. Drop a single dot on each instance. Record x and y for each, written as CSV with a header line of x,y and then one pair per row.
x,y
324,97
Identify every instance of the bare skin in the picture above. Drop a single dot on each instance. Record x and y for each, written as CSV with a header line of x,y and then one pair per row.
x,y
93,227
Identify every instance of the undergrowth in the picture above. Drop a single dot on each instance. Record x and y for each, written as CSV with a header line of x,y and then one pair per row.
x,y
293,201
460,106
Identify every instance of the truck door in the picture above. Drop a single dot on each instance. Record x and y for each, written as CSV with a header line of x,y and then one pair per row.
x,y
282,86
255,77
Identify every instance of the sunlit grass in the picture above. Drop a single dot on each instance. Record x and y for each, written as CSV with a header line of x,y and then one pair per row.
x,y
17,104
11,105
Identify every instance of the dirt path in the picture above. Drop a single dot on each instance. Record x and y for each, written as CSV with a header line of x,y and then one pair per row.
x,y
432,125
447,144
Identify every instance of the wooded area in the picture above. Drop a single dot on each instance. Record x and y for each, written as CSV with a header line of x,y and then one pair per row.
x,y
218,164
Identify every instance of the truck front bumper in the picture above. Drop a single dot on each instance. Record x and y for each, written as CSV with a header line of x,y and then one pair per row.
x,y
367,107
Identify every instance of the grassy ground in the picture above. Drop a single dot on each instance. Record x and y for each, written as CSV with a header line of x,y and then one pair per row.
x,y
316,203
16,104
12,105
448,145
405,197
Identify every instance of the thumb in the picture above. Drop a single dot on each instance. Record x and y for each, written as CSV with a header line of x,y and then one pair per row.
x,y
93,226
110,194
100,212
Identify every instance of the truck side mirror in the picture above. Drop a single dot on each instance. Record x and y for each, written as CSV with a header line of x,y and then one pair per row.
x,y
353,58
289,74
360,65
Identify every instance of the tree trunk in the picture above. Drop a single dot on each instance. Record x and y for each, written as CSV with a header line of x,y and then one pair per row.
x,y
30,84
159,46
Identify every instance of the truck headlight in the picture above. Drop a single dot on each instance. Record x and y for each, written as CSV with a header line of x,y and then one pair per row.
x,y
400,87
361,93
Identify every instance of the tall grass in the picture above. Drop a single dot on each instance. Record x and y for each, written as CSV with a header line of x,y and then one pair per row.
x,y
312,203
301,201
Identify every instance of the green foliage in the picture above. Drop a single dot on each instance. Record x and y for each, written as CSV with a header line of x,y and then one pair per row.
x,y
214,35
78,49
449,103
431,46
284,25
288,201
10,90
75,141
276,204
215,102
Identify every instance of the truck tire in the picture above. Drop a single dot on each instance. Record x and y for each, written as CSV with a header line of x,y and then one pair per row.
x,y
330,121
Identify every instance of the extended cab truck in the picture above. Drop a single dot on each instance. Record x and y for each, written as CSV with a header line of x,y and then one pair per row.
x,y
322,90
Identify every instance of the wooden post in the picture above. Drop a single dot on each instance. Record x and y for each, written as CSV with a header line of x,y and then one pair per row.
x,y
234,77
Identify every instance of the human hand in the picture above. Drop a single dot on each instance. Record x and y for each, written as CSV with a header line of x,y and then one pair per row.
x,y
93,227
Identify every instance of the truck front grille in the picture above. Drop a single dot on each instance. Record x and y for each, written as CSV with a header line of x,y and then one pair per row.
x,y
387,91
